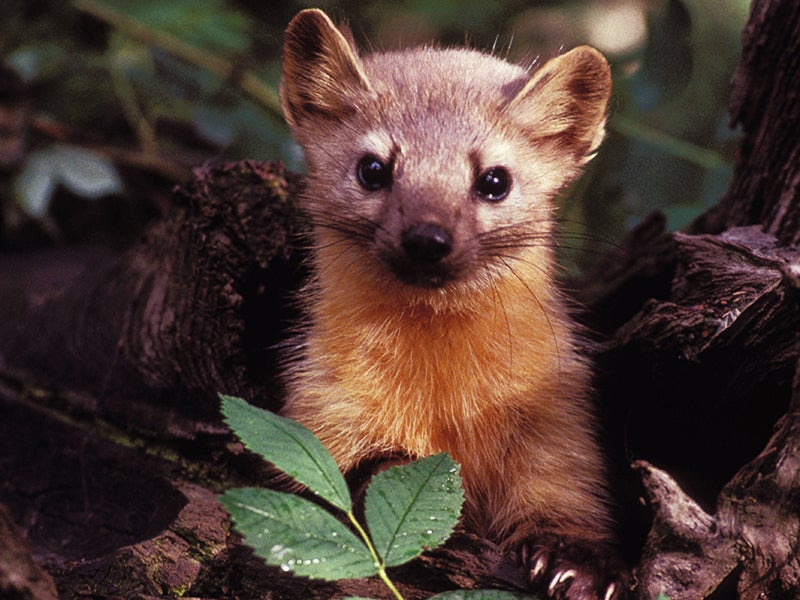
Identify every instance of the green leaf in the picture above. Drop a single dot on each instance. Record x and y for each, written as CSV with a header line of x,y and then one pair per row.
x,y
297,535
39,60
290,447
84,173
481,595
211,24
35,185
412,507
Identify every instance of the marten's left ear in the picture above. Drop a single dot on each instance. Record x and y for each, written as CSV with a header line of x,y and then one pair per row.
x,y
322,73
565,102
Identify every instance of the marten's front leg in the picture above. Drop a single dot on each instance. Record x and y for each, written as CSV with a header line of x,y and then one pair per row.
x,y
549,503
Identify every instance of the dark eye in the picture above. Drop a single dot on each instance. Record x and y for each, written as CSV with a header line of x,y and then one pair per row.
x,y
493,184
373,174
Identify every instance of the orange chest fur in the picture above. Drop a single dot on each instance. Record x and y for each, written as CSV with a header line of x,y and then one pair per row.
x,y
427,381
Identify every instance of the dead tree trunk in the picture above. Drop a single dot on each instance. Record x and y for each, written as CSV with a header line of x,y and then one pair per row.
x,y
112,447
764,101
706,361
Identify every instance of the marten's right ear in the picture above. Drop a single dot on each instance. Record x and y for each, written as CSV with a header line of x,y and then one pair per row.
x,y
565,102
321,70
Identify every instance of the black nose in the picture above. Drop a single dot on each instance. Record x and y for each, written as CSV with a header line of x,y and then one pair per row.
x,y
427,242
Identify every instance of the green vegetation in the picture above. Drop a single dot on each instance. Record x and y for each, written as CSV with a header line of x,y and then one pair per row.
x,y
408,509
156,88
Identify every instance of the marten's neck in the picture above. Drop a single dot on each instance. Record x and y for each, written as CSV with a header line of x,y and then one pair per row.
x,y
431,372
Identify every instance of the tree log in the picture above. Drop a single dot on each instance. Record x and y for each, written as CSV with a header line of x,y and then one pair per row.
x,y
698,380
111,365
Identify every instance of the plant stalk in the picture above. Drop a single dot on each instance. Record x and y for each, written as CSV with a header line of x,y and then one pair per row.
x,y
378,561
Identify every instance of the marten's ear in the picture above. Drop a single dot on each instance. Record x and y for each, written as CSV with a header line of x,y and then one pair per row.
x,y
565,102
321,70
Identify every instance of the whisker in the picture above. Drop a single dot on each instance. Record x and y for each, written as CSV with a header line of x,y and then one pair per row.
x,y
349,224
498,297
520,236
345,251
583,235
541,306
506,259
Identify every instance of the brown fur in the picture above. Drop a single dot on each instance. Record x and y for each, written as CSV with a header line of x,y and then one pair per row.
x,y
484,364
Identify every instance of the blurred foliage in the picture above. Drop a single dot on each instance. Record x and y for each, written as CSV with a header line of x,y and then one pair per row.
x,y
150,89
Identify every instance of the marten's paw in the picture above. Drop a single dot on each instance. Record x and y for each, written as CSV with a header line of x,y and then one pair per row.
x,y
565,569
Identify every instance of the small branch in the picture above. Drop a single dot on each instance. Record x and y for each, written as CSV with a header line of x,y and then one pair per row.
x,y
126,95
158,163
247,81
702,157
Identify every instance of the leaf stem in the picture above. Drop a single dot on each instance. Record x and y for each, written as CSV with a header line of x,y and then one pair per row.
x,y
378,561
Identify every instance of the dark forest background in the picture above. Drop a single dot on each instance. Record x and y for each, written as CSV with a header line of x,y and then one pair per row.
x,y
106,104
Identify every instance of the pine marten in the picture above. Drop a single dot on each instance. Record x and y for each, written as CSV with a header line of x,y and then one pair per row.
x,y
434,322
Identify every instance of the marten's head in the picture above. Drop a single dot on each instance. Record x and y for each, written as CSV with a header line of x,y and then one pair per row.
x,y
436,168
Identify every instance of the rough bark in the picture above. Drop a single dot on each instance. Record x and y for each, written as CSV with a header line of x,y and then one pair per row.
x,y
764,102
165,324
696,382
113,450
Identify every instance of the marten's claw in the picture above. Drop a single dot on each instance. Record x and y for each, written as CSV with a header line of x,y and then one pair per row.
x,y
573,570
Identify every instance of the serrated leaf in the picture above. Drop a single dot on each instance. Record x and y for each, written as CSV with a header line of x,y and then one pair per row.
x,y
297,535
290,447
412,507
481,595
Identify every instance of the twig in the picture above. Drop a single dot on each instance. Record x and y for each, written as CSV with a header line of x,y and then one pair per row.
x,y
247,81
